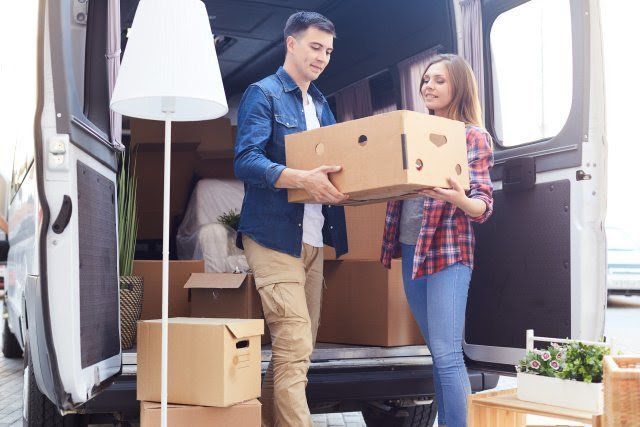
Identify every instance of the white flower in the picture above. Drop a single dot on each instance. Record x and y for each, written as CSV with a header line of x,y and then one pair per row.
x,y
546,355
554,364
534,364
560,355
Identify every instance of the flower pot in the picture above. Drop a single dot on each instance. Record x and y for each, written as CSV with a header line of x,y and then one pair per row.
x,y
131,290
559,392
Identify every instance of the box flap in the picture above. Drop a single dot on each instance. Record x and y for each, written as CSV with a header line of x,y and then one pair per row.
x,y
246,328
215,280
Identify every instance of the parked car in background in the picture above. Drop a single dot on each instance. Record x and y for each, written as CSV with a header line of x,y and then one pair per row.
x,y
623,262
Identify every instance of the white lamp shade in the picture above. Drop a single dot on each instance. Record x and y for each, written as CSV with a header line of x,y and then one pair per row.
x,y
170,68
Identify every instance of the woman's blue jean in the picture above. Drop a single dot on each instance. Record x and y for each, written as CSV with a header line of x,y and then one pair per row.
x,y
438,302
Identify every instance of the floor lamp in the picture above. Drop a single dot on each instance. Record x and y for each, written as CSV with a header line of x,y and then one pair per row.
x,y
169,72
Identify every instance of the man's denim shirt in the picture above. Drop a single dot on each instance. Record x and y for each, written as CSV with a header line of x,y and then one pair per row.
x,y
269,110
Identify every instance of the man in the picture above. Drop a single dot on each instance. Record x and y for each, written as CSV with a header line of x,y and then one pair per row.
x,y
283,241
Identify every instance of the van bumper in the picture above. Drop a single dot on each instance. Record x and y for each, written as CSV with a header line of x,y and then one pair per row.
x,y
329,385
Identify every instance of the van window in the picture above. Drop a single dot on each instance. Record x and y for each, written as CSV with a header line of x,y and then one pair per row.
x,y
532,73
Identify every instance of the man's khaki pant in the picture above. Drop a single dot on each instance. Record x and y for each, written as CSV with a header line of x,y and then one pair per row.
x,y
291,293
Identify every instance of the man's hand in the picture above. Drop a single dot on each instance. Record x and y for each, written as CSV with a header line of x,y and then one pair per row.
x,y
316,183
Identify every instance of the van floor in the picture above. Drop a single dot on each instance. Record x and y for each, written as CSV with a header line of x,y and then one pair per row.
x,y
327,354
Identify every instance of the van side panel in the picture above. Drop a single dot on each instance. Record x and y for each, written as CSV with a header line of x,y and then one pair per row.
x,y
98,267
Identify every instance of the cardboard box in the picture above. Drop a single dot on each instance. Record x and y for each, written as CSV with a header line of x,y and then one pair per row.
x,y
224,295
365,225
179,272
211,137
150,175
384,157
364,304
211,362
246,414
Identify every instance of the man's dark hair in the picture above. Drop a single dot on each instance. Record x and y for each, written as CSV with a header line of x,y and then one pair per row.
x,y
301,21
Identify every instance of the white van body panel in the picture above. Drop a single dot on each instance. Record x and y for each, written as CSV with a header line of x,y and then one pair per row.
x,y
63,252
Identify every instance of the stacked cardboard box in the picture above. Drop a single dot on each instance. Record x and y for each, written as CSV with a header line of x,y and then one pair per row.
x,y
213,371
364,303
179,273
228,295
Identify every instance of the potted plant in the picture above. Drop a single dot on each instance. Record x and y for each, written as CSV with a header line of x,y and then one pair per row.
x,y
231,219
131,287
567,373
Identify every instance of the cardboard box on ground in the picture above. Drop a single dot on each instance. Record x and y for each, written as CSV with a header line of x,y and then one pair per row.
x,y
383,157
246,414
211,362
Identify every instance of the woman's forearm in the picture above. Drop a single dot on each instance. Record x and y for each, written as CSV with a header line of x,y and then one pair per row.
x,y
473,207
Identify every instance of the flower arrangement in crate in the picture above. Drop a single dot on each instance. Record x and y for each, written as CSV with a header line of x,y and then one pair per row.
x,y
567,373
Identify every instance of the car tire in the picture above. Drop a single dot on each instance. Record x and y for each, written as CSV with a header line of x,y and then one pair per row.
x,y
410,416
37,410
10,346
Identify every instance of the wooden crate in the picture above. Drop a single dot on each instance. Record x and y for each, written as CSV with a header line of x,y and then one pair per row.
x,y
621,379
503,409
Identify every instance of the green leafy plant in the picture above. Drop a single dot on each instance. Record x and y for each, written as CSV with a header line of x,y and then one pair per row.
x,y
584,362
573,361
127,215
230,219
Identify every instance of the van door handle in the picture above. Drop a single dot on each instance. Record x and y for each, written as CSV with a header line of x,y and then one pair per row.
x,y
64,216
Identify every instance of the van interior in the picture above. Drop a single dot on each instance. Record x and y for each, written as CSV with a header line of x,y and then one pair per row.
x,y
249,43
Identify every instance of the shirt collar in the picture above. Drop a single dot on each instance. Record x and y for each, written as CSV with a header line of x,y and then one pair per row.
x,y
289,85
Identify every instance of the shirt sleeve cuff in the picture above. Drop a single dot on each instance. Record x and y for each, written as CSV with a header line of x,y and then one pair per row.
x,y
272,175
487,212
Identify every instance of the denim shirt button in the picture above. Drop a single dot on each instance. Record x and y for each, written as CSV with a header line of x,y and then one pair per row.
x,y
329,206
299,225
331,227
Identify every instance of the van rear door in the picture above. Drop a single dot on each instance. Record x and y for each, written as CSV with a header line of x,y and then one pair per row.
x,y
73,304
540,259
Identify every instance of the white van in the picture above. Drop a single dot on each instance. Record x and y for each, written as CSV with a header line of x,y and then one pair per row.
x,y
540,260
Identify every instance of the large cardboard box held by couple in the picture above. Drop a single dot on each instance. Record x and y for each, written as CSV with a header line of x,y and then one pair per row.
x,y
364,304
211,362
230,295
246,414
383,157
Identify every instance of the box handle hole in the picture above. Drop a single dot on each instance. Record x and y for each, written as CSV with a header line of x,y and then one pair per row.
x,y
242,344
362,140
437,139
459,169
320,149
419,164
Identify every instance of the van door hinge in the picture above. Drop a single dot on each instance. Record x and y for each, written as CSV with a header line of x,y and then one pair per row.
x,y
582,176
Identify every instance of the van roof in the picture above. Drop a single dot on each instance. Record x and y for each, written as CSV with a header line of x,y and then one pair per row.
x,y
372,35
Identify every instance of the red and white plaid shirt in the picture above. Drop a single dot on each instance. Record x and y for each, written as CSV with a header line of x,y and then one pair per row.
x,y
446,235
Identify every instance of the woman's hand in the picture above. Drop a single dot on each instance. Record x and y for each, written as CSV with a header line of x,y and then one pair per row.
x,y
455,195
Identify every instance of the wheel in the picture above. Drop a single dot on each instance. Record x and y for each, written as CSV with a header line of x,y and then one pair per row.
x,y
410,416
37,409
10,346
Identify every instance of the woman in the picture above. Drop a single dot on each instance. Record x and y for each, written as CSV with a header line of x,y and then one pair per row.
x,y
435,237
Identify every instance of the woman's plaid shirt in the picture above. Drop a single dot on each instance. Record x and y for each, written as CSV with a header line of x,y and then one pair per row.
x,y
446,235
